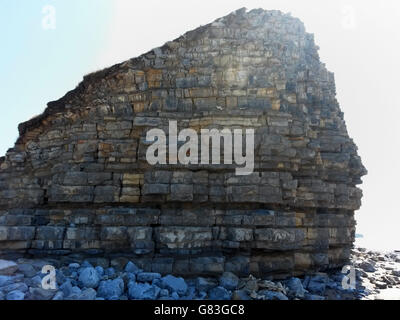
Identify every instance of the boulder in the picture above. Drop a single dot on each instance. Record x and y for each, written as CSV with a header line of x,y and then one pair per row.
x,y
317,284
272,295
15,295
229,281
41,294
143,291
89,278
295,288
88,294
147,276
174,284
240,295
132,268
7,268
219,293
205,284
110,289
27,270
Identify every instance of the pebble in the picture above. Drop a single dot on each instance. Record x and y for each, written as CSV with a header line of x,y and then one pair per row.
x,y
41,294
88,281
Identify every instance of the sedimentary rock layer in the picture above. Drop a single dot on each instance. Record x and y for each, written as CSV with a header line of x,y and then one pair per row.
x,y
77,179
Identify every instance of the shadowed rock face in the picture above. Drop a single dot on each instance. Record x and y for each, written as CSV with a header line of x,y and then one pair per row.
x,y
77,180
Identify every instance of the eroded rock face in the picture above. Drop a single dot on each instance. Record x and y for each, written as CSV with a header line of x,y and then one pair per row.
x,y
77,180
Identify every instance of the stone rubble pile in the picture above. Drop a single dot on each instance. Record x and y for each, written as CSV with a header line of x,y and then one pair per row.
x,y
82,281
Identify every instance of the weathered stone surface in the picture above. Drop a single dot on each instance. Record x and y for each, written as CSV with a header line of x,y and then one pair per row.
x,y
15,295
229,281
89,278
147,276
111,289
174,284
77,180
219,293
7,268
203,284
143,291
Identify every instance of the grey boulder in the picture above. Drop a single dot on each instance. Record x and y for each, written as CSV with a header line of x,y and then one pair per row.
x,y
15,295
110,289
174,284
143,291
219,293
229,281
89,278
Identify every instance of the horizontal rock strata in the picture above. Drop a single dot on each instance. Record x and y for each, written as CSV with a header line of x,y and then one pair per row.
x,y
77,180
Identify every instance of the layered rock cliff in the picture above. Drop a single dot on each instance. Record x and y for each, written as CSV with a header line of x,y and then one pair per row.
x,y
77,179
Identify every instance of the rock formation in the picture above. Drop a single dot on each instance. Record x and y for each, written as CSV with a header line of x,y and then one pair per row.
x,y
77,181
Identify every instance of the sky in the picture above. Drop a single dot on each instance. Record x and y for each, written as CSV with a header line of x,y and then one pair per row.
x,y
47,46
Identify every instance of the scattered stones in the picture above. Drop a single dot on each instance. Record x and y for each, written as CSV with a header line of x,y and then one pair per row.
x,y
15,295
205,284
313,297
111,284
367,267
219,293
7,268
66,288
143,291
132,268
317,283
74,266
20,286
100,271
240,295
271,295
59,296
250,284
110,272
295,288
6,280
88,294
229,281
147,276
111,289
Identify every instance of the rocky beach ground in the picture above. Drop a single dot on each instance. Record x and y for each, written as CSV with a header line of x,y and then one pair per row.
x,y
376,277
